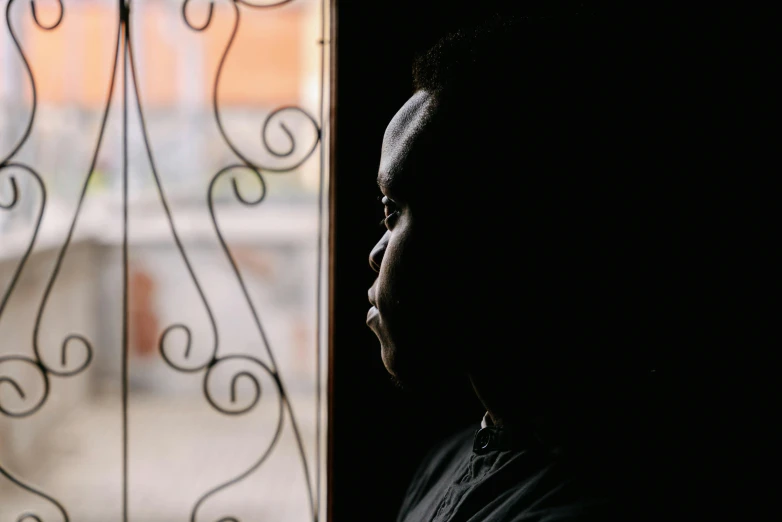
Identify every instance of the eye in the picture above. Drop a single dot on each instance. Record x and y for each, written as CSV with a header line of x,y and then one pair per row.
x,y
391,212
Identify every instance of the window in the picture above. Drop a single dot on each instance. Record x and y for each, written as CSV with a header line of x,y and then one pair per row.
x,y
183,375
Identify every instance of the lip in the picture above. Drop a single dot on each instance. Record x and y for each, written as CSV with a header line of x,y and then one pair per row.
x,y
372,314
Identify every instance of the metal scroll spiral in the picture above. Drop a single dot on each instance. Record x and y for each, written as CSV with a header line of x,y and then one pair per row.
x,y
215,360
76,346
65,367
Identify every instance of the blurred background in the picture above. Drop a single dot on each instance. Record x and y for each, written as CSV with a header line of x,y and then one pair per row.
x,y
180,447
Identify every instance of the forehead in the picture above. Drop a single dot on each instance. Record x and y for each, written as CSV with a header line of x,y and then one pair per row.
x,y
401,138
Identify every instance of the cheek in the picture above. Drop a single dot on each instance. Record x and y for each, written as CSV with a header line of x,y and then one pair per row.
x,y
389,282
396,280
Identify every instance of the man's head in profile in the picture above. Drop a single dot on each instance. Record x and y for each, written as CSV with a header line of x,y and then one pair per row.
x,y
551,216
530,218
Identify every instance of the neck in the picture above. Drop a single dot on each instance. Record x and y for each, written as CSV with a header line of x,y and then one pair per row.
x,y
496,403
570,415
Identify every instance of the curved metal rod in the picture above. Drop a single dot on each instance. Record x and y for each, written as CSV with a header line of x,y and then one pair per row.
x,y
29,126
15,386
37,363
287,132
261,331
198,28
39,368
48,27
214,361
253,380
18,272
69,236
36,406
37,493
252,377
272,444
265,130
237,192
64,357
14,194
170,219
189,337
302,453
221,128
264,6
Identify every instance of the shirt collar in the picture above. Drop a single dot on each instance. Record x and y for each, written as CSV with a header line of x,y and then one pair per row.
x,y
492,438
503,438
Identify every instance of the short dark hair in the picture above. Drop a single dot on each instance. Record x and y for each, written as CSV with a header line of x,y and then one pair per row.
x,y
538,102
527,84
502,51
551,134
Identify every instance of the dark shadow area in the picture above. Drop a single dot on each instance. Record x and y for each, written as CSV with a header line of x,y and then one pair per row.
x,y
693,297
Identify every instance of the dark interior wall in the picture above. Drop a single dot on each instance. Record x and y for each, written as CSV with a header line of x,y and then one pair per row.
x,y
379,433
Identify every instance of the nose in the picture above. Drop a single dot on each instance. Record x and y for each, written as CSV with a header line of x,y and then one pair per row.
x,y
376,255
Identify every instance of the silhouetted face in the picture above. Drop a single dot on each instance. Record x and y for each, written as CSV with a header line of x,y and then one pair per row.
x,y
409,312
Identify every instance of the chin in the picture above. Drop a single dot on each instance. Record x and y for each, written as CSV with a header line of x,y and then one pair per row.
x,y
400,376
387,356
419,366
408,374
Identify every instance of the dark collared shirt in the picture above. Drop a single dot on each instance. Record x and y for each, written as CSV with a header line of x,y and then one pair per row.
x,y
480,476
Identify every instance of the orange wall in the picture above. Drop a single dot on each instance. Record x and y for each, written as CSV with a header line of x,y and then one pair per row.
x,y
265,60
264,67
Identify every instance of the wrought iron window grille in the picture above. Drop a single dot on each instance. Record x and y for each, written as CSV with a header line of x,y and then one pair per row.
x,y
76,350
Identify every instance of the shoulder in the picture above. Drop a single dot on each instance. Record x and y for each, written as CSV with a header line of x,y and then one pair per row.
x,y
452,446
577,512
445,456
443,461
